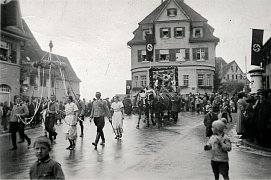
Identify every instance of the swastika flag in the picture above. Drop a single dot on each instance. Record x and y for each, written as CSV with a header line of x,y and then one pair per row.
x,y
256,47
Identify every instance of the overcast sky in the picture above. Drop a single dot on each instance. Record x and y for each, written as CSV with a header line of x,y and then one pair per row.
x,y
94,34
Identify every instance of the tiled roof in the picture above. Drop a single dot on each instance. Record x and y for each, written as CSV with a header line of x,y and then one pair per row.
x,y
33,51
192,15
189,12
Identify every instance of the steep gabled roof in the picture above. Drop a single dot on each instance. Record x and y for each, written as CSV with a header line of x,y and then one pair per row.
x,y
192,15
227,67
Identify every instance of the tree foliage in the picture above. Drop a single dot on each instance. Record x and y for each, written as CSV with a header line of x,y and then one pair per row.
x,y
231,87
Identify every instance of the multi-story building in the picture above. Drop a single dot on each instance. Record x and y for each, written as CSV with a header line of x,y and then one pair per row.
x,y
13,37
182,39
19,50
230,71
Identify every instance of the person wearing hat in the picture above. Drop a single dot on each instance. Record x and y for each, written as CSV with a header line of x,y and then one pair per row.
x,y
209,118
45,167
98,112
219,144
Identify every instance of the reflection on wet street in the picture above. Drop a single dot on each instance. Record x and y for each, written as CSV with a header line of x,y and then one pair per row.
x,y
173,152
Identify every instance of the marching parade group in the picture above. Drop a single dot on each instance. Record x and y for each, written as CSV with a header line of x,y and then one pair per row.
x,y
70,113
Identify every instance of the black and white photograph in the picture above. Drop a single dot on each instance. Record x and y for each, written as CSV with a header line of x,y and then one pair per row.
x,y
135,89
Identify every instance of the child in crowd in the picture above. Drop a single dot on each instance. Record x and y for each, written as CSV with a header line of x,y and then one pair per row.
x,y
220,145
45,167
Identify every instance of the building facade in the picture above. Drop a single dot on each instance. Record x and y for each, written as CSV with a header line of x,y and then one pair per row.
x,y
13,37
230,71
182,39
19,50
266,64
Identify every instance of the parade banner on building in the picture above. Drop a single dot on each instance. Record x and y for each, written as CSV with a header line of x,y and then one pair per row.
x,y
256,46
128,86
149,47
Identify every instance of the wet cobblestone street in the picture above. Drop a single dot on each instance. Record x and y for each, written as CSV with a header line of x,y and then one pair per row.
x,y
173,152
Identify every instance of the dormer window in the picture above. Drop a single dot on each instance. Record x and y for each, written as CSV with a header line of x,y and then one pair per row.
x,y
197,33
172,12
145,32
165,32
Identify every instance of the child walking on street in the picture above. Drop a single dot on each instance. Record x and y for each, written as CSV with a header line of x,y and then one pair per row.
x,y
220,145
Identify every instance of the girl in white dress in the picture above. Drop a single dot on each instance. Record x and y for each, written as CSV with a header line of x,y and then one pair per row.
x,y
118,116
70,122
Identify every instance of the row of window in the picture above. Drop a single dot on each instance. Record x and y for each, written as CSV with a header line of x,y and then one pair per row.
x,y
142,82
7,53
182,54
235,76
179,32
203,80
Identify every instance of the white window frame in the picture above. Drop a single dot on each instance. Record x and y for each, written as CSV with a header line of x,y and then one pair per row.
x,y
201,79
164,53
143,55
168,33
186,80
201,53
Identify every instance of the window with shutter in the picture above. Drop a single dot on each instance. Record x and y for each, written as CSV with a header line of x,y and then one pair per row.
x,y
157,55
172,55
200,53
187,54
139,55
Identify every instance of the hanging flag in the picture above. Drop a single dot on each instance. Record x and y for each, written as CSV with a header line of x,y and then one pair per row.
x,y
149,46
128,86
256,46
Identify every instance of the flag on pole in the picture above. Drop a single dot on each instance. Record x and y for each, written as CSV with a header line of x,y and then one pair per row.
x,y
256,46
149,46
128,86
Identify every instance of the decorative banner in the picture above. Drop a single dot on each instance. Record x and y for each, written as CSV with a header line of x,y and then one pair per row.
x,y
149,46
256,47
166,76
128,86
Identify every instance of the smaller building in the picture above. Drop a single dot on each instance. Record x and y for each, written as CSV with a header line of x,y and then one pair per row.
x,y
230,71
